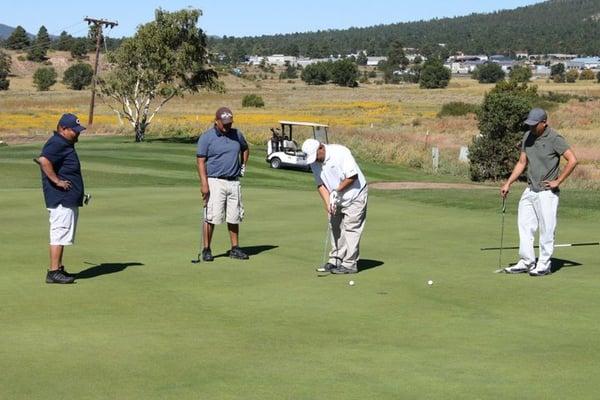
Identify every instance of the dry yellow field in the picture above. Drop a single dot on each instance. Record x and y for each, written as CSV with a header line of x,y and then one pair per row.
x,y
391,123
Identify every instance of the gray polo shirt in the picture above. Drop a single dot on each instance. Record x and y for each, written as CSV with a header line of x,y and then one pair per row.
x,y
222,152
543,156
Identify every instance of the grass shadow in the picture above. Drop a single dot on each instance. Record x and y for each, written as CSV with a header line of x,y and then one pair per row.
x,y
174,139
365,264
251,250
104,269
556,264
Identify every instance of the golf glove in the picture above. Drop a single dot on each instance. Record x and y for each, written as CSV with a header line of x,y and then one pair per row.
x,y
243,170
334,200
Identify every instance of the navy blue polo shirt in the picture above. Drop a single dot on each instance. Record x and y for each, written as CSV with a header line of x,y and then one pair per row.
x,y
61,153
222,152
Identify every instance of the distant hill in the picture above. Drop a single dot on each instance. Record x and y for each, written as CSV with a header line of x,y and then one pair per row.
x,y
5,31
555,26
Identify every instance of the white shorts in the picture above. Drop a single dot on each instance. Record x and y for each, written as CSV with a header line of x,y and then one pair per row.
x,y
63,221
225,202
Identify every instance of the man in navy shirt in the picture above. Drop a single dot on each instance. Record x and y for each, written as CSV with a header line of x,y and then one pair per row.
x,y
62,184
221,159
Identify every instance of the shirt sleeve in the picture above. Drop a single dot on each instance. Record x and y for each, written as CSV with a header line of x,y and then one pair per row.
x,y
524,141
560,145
316,171
53,151
242,140
349,165
202,149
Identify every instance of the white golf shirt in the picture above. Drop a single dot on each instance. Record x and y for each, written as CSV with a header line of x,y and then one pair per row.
x,y
337,166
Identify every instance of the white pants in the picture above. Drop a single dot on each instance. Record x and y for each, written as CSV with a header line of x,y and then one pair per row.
x,y
537,210
63,223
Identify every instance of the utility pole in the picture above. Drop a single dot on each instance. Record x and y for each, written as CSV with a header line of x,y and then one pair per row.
x,y
98,23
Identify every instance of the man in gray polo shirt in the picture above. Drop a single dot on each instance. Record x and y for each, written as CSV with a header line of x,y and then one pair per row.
x,y
541,150
221,157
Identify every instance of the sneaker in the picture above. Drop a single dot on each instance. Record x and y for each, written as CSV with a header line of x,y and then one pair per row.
x,y
238,254
64,271
342,270
58,277
207,255
540,270
327,267
518,268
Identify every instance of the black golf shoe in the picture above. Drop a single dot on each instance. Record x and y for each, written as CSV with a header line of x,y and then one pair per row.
x,y
58,277
207,255
238,254
65,273
327,267
342,270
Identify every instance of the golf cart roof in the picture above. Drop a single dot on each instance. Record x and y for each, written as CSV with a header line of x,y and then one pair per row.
x,y
303,124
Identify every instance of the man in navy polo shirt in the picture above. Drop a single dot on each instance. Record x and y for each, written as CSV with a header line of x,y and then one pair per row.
x,y
221,157
63,192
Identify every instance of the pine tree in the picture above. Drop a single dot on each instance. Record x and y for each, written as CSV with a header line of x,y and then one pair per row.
x,y
17,40
37,52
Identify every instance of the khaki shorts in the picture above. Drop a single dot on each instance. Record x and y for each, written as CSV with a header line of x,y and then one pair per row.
x,y
225,202
63,222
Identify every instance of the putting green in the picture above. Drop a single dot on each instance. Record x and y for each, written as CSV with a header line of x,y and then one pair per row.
x,y
143,322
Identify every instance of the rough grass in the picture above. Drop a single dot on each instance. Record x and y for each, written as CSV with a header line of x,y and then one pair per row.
x,y
386,123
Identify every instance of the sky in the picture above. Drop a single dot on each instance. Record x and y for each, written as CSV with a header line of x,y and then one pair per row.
x,y
242,18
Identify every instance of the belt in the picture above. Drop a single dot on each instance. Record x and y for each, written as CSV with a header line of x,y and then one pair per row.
x,y
227,178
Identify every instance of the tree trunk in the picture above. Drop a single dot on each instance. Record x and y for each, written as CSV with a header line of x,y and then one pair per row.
x,y
140,132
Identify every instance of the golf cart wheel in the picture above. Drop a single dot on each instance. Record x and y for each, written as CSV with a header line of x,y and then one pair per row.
x,y
275,163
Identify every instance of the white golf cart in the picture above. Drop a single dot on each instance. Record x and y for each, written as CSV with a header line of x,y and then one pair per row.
x,y
284,151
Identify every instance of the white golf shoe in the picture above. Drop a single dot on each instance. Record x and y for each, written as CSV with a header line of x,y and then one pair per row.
x,y
519,268
540,270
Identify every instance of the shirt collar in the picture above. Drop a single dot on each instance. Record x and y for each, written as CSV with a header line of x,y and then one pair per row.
x,y
327,155
217,131
546,131
64,139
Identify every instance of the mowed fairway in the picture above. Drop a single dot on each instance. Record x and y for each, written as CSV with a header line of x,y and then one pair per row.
x,y
142,322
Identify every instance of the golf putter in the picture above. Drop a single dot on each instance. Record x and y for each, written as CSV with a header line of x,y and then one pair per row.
x,y
327,242
500,269
199,258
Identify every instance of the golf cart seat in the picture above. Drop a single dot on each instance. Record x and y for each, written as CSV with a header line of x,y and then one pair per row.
x,y
290,145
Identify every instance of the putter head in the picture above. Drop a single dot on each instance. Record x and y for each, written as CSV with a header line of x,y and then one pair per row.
x,y
197,260
86,198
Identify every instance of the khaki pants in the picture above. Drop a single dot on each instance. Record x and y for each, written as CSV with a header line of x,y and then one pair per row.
x,y
225,202
346,229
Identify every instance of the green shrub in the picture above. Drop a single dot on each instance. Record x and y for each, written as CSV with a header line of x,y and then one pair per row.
x,y
520,74
489,72
5,64
434,75
78,76
317,74
457,108
44,78
572,76
587,75
252,100
344,73
494,152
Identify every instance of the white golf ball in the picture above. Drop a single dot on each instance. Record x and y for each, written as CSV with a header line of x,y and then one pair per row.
x,y
430,282
351,283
